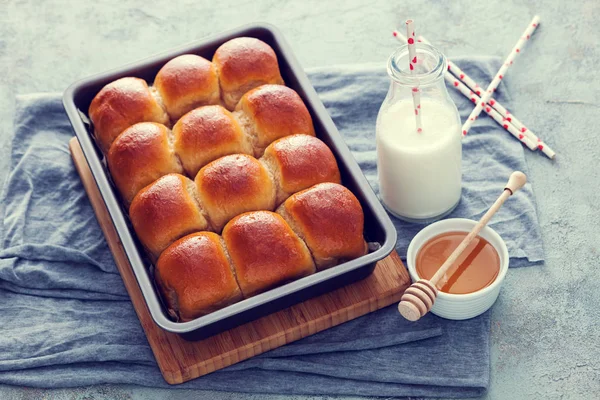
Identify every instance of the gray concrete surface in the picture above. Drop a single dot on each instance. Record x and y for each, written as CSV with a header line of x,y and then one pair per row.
x,y
546,325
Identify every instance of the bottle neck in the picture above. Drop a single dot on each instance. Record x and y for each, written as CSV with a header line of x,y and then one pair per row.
x,y
428,74
430,68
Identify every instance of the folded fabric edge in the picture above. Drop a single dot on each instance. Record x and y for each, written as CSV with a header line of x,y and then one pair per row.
x,y
363,375
36,96
120,374
366,343
63,293
26,363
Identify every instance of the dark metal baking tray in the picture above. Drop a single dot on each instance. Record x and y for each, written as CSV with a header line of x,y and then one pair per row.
x,y
379,229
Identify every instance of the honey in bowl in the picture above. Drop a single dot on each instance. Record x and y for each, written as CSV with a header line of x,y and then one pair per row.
x,y
477,267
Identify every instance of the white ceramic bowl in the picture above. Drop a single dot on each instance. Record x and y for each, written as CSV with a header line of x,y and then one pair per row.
x,y
460,306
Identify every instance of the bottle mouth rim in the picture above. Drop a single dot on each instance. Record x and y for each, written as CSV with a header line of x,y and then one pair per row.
x,y
399,71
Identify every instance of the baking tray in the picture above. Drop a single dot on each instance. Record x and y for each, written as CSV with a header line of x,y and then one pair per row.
x,y
379,230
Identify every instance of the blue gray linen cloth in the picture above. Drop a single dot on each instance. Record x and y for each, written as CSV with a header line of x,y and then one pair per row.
x,y
65,317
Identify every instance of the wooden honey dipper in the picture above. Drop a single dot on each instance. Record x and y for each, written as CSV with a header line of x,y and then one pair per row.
x,y
418,299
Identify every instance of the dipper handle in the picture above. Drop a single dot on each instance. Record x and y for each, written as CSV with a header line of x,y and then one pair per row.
x,y
416,301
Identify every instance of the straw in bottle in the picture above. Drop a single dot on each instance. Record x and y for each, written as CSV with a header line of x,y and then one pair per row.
x,y
412,54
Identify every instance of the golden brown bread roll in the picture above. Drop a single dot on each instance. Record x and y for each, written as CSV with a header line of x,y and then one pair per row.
x,y
265,252
298,162
196,277
232,185
121,104
205,134
329,218
244,63
270,112
165,211
187,82
140,155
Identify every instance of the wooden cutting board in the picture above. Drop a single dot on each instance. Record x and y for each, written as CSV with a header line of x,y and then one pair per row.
x,y
180,360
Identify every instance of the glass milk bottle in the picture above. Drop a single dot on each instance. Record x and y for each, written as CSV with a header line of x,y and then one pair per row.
x,y
419,173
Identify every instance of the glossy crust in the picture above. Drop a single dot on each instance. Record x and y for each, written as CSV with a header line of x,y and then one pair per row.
x,y
232,185
140,155
270,112
243,64
205,134
165,211
119,105
298,162
265,251
196,277
330,220
187,82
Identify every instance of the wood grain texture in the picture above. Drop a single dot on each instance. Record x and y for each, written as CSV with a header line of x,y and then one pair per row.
x,y
180,360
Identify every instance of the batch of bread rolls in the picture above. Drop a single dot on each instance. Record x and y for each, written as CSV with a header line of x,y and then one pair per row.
x,y
227,186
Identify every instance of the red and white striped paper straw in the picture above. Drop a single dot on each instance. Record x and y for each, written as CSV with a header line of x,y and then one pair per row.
x,y
541,145
412,54
496,116
474,86
487,95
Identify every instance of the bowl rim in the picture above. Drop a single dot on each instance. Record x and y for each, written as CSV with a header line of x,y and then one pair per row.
x,y
426,234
